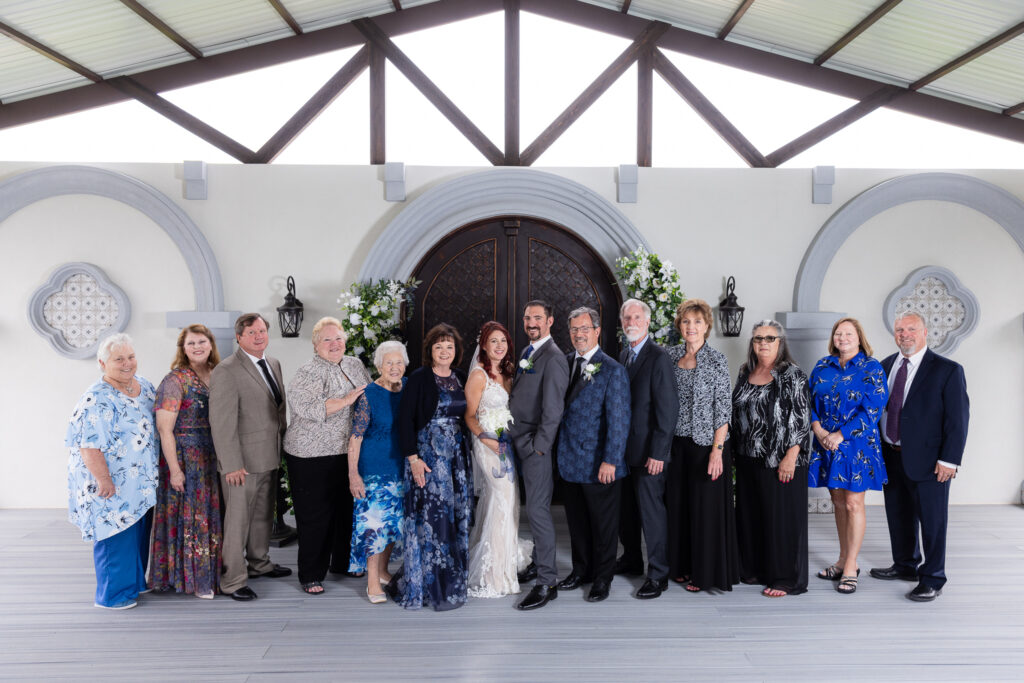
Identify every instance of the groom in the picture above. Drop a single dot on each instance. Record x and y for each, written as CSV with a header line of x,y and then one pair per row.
x,y
536,403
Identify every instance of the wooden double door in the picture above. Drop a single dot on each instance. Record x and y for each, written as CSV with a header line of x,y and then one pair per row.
x,y
489,270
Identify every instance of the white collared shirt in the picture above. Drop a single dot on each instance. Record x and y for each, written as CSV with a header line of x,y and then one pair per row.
x,y
639,346
913,364
537,344
586,356
256,362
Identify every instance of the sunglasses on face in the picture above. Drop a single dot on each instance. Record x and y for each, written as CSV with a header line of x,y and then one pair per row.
x,y
765,340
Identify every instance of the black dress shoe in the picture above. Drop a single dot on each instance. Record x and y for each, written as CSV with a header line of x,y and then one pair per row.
x,y
627,568
598,592
572,582
538,597
528,574
892,573
276,573
923,593
243,594
652,589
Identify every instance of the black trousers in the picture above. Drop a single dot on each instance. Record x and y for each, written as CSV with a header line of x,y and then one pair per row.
x,y
592,511
323,514
910,505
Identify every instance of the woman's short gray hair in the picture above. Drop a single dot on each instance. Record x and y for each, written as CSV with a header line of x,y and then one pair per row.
x,y
390,346
110,343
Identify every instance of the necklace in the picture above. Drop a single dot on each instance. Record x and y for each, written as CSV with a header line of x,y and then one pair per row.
x,y
117,385
392,387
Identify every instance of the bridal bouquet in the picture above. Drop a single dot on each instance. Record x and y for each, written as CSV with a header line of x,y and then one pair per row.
x,y
496,421
655,282
371,314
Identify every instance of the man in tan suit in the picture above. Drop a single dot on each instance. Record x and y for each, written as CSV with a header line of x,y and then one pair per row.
x,y
247,418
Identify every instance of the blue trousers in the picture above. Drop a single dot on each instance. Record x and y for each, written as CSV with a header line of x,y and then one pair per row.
x,y
121,564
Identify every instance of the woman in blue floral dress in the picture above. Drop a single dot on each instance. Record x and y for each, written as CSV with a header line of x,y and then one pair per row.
x,y
186,523
112,473
375,471
438,483
848,393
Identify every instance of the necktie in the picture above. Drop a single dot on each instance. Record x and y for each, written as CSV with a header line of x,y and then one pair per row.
x,y
895,407
631,357
262,362
580,360
526,355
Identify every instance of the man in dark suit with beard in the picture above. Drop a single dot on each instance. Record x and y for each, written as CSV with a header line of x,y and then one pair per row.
x,y
924,429
655,407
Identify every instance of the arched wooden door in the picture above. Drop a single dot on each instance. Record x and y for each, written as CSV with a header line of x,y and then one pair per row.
x,y
490,269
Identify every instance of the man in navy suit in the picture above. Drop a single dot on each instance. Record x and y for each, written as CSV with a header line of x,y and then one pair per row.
x,y
654,411
591,455
924,429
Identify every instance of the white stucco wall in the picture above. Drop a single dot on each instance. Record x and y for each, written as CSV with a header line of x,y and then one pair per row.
x,y
318,223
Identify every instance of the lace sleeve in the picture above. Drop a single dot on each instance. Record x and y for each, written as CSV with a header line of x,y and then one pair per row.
x,y
169,394
361,417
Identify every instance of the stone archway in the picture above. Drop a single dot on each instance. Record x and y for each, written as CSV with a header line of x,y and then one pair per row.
x,y
499,192
32,186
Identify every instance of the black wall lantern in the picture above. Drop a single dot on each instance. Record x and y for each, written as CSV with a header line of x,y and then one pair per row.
x,y
290,314
730,313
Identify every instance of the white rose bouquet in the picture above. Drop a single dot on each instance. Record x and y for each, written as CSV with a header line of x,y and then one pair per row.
x,y
655,282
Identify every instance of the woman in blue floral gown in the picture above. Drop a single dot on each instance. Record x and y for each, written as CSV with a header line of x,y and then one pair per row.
x,y
375,471
112,473
438,484
186,522
848,392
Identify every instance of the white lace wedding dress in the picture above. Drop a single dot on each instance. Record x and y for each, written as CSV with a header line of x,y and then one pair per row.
x,y
496,553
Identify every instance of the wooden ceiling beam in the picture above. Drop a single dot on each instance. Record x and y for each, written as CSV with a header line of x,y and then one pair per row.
x,y
181,117
33,44
378,106
969,56
1015,109
159,24
735,19
625,6
397,5
377,37
313,107
512,101
645,109
645,40
877,99
861,26
287,16
707,111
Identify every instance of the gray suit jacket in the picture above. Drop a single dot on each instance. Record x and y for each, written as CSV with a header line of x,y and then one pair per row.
x,y
247,425
537,401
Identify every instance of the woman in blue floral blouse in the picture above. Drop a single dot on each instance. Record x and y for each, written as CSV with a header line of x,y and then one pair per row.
x,y
112,473
848,392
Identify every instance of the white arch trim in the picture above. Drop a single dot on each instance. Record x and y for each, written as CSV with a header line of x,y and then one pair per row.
x,y
505,191
984,197
32,186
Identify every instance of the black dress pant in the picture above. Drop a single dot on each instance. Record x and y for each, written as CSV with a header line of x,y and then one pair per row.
x,y
592,511
629,525
323,514
701,518
771,526
910,505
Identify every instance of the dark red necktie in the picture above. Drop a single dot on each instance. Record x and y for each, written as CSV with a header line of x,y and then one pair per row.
x,y
895,407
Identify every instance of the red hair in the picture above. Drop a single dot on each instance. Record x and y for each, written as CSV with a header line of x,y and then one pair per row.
x,y
506,367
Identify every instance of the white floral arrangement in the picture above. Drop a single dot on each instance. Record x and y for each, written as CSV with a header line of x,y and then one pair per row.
x,y
496,421
590,370
655,282
371,315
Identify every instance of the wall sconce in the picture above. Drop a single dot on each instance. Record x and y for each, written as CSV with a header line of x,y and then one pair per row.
x,y
730,313
290,314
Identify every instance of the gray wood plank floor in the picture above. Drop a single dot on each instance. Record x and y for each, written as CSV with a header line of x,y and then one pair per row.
x,y
974,631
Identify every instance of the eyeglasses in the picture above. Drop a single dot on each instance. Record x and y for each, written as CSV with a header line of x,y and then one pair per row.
x,y
584,328
766,340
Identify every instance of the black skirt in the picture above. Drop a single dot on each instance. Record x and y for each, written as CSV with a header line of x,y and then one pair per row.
x,y
771,525
701,518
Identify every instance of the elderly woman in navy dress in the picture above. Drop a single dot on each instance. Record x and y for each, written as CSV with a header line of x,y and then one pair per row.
x,y
375,471
438,482
848,393
112,472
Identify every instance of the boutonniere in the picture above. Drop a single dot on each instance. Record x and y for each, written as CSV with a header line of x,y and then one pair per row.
x,y
526,365
591,369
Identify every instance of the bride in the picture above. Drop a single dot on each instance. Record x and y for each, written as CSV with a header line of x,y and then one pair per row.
x,y
496,554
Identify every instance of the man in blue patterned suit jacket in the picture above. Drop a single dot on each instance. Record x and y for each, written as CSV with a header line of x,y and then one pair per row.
x,y
592,455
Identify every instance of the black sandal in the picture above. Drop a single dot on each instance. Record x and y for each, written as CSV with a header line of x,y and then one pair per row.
x,y
308,588
847,585
833,572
